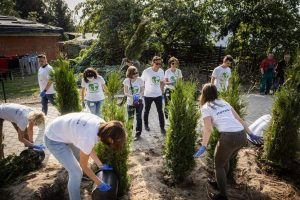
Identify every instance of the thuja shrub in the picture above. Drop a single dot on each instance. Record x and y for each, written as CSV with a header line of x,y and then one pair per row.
x,y
281,138
234,96
14,167
117,159
67,95
114,84
112,111
181,134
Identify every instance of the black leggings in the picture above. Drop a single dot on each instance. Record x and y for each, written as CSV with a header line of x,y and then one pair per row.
x,y
167,100
158,103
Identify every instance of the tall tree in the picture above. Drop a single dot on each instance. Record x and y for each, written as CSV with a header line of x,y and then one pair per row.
x,y
7,7
174,23
115,21
180,22
61,15
258,26
28,9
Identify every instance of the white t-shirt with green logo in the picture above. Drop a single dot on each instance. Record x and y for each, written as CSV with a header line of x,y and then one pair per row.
x,y
172,77
222,76
152,81
94,89
135,87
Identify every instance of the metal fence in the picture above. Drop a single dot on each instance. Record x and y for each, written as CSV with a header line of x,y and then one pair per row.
x,y
19,89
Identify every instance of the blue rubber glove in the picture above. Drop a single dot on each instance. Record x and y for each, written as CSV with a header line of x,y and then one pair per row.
x,y
39,147
255,139
200,152
42,94
136,97
103,187
106,167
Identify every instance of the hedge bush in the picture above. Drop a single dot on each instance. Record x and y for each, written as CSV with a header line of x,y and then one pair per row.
x,y
65,83
282,136
181,135
112,111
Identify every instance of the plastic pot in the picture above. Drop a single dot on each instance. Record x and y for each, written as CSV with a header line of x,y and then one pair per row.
x,y
109,177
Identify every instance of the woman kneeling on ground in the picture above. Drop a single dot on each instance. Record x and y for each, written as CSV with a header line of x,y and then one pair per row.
x,y
23,118
83,130
218,113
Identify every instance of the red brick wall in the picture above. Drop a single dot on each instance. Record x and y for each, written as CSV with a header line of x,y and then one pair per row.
x,y
21,45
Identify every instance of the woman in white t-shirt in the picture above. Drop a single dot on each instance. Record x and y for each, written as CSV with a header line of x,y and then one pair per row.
x,y
84,131
92,92
219,114
134,90
23,118
171,76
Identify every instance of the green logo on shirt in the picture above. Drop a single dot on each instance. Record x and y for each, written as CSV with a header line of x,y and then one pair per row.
x,y
173,79
155,80
134,89
93,87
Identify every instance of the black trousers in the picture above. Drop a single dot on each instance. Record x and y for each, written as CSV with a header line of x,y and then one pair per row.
x,y
167,100
159,105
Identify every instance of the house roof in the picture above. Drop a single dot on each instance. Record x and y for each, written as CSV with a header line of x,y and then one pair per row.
x,y
10,24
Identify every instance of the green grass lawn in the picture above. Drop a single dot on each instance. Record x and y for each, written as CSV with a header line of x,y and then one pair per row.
x,y
20,87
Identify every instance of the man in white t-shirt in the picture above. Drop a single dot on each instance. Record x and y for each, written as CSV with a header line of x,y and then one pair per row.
x,y
222,74
154,87
47,91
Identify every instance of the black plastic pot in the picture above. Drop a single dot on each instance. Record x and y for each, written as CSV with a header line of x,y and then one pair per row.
x,y
109,177
37,155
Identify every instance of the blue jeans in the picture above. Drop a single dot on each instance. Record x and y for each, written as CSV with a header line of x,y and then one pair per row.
x,y
44,101
138,115
64,154
95,106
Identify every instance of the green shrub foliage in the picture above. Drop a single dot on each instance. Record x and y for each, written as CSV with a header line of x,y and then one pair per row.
x,y
67,95
114,84
117,159
14,167
112,111
181,135
281,138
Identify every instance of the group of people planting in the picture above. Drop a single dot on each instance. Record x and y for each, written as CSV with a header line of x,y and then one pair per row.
x,y
83,130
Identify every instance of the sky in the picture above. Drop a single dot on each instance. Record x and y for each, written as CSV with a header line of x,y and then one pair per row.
x,y
73,3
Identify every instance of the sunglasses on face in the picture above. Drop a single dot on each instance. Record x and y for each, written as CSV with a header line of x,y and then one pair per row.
x,y
157,63
173,63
